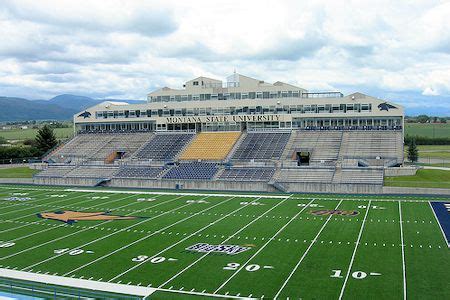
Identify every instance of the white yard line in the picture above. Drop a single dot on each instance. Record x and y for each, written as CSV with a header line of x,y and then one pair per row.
x,y
403,250
182,240
20,203
80,231
57,201
109,235
354,251
437,221
34,206
51,228
305,253
222,242
43,220
33,214
264,246
147,236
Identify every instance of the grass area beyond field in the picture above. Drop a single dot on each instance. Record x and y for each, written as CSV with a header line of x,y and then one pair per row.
x,y
423,179
19,172
24,134
279,246
428,130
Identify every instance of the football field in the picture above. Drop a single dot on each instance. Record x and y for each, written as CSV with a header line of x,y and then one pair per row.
x,y
229,245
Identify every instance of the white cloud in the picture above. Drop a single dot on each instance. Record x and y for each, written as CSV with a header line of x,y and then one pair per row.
x,y
127,48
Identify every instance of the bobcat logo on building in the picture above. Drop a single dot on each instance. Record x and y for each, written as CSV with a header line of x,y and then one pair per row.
x,y
385,106
70,217
85,114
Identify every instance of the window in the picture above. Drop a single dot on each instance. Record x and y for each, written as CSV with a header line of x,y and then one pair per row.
x,y
195,83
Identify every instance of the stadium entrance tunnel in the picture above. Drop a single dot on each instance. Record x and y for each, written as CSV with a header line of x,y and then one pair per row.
x,y
303,158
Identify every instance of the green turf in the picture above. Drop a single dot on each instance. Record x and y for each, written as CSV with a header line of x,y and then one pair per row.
x,y
23,134
282,260
428,130
423,178
19,172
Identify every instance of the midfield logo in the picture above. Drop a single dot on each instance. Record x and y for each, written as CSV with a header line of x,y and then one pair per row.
x,y
70,217
226,249
328,212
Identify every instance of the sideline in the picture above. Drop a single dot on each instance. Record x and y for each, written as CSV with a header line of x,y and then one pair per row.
x,y
178,194
79,283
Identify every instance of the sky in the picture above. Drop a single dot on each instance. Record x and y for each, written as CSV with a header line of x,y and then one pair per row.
x,y
394,50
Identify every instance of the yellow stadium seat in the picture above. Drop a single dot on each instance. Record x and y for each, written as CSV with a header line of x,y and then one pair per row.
x,y
211,146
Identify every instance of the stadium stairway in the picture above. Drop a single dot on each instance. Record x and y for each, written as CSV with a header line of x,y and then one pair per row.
x,y
236,145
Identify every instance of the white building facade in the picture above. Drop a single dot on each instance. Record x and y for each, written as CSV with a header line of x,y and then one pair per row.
x,y
242,103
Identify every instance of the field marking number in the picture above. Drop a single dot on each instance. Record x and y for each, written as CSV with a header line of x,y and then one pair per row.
x,y
235,266
71,252
372,207
6,244
356,274
154,260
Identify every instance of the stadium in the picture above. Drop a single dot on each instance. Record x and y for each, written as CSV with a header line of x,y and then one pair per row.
x,y
236,189
243,135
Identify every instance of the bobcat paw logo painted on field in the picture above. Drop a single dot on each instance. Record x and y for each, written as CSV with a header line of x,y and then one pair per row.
x,y
336,212
70,217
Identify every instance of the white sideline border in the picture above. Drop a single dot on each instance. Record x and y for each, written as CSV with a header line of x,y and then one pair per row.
x,y
78,283
178,194
117,288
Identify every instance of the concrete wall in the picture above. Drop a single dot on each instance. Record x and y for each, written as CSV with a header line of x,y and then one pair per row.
x,y
65,181
414,191
310,187
16,180
194,185
402,171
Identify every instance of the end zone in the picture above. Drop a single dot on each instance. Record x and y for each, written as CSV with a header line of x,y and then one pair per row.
x,y
441,211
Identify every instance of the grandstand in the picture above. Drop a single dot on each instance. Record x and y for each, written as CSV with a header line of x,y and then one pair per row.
x,y
246,134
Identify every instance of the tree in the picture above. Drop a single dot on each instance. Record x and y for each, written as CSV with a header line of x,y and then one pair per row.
x,y
3,140
413,153
423,118
45,139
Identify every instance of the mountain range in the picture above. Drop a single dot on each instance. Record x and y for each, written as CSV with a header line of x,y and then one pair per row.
x,y
61,107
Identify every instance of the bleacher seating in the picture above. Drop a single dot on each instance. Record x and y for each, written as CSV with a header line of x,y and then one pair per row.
x,y
323,145
324,175
164,146
262,145
210,146
192,170
55,171
92,172
247,174
362,175
127,143
97,146
139,172
372,144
